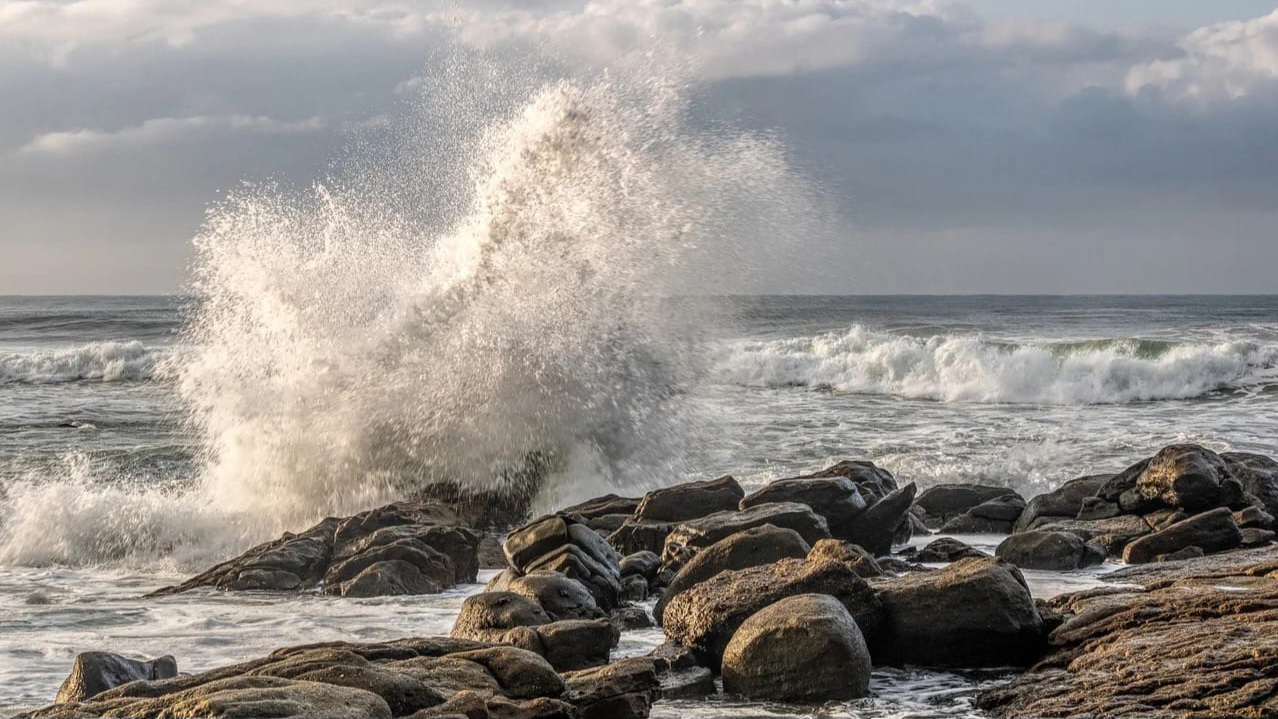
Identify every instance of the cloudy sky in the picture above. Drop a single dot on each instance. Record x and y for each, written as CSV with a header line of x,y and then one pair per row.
x,y
978,146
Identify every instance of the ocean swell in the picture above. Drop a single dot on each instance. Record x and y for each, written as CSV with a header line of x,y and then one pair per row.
x,y
959,368
97,361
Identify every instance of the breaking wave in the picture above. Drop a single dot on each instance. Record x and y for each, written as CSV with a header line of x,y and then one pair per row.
x,y
98,361
957,368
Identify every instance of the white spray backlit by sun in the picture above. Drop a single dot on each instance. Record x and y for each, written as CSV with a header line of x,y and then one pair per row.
x,y
367,336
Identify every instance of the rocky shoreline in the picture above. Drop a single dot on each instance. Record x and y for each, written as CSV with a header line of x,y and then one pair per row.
x,y
790,593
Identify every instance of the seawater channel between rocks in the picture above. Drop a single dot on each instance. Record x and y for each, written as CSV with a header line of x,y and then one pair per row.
x,y
47,616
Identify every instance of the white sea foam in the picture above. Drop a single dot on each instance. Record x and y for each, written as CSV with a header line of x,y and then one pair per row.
x,y
100,361
958,368
474,291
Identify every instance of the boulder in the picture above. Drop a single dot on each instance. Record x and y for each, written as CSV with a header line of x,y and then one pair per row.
x,y
691,537
1055,551
1189,477
385,579
875,528
1213,531
1097,508
404,694
804,648
607,505
483,614
1258,475
577,643
974,613
522,674
996,516
704,617
559,596
95,672
625,689
946,550
1113,534
644,564
1254,517
859,560
944,502
632,537
689,501
835,498
749,548
536,539
1064,502
873,481
1122,483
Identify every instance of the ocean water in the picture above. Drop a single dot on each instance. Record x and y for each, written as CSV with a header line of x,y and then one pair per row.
x,y
103,467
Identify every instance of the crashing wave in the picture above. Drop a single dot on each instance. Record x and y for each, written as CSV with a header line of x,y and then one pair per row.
x,y
958,368
98,361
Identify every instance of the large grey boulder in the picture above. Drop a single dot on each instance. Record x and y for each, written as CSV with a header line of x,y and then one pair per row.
x,y
95,672
974,613
625,689
704,617
1055,551
689,501
873,481
877,526
805,648
1064,502
1258,475
1189,477
1213,531
559,596
943,502
749,548
693,536
836,498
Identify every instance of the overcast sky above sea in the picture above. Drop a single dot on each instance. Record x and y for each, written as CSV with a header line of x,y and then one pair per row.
x,y
983,146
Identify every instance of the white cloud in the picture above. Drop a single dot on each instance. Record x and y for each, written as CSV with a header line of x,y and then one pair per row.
x,y
1225,61
161,130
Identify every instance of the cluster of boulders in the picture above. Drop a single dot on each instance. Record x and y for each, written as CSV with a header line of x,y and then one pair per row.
x,y
788,593
421,547
1183,502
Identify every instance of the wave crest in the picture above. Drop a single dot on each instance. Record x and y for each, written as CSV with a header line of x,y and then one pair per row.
x,y
100,361
957,368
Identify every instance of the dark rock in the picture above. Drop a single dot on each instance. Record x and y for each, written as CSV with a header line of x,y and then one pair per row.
x,y
974,613
1258,475
489,554
462,705
1055,551
632,617
1124,481
835,498
1254,517
873,481
1113,533
1007,508
1212,531
388,578
944,502
968,524
625,689
604,526
635,536
95,672
749,548
704,617
577,643
1254,536
691,537
834,550
689,683
522,674
634,589
1097,508
1189,477
1064,502
559,596
690,501
603,581
1164,518
945,550
482,614
875,528
805,648
536,539
644,564
609,504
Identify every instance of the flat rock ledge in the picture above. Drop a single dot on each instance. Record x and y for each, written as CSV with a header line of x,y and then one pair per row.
x,y
1189,638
